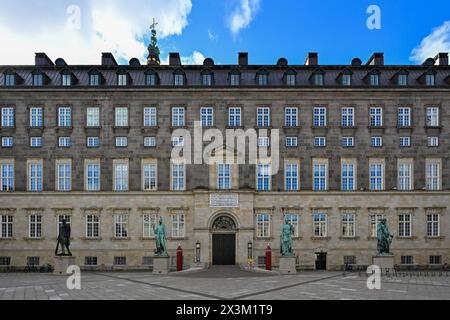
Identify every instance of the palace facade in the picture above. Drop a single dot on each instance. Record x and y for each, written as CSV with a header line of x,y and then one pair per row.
x,y
93,144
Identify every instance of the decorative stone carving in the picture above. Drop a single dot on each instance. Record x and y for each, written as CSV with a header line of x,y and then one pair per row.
x,y
224,223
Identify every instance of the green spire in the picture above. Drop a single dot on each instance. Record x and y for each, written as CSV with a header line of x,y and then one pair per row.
x,y
153,50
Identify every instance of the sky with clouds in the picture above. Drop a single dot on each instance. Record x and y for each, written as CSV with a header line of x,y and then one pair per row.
x,y
80,30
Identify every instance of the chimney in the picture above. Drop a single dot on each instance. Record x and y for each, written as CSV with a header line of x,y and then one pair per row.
x,y
174,59
442,59
312,59
243,59
108,59
41,59
377,59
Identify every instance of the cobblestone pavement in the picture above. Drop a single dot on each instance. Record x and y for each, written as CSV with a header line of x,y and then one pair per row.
x,y
222,283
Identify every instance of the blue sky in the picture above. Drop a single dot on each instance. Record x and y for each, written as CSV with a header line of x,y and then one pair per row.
x,y
267,29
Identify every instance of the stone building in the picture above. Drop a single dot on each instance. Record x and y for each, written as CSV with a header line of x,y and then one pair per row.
x,y
93,144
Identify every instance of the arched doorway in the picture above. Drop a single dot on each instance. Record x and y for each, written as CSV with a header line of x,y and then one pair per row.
x,y
224,241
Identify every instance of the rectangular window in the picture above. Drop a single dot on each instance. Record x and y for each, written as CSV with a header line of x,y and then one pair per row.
x,y
34,226
348,142
120,176
263,177
149,142
121,117
433,141
178,118
93,142
92,226
7,117
149,222
349,260
404,225
263,141
430,80
374,220
92,174
120,226
263,225
433,175
234,117
405,260
293,219
291,117
6,227
290,80
224,176
376,117
120,261
234,79
348,175
66,80
432,117
319,117
93,117
320,225
6,175
291,142
36,117
346,80
64,142
64,175
402,79
121,142
376,142
178,176
435,260
64,117
320,176
122,79
94,80
177,141
374,79
404,117
36,142
405,142
178,225
150,80
433,227
207,116
150,117
291,176
5,261
263,117
35,175
207,80
404,175
348,225
90,261
7,142
263,79
10,80
320,142
179,79
318,80
149,174
348,117
376,176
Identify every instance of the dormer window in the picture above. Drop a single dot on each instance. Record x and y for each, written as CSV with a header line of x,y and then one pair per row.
x,y
179,78
38,79
207,79
151,78
95,78
67,78
345,78
374,79
234,77
430,79
11,78
402,79
290,77
317,78
262,78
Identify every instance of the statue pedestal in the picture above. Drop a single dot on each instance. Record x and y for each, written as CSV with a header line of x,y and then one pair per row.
x,y
62,263
386,263
288,265
161,265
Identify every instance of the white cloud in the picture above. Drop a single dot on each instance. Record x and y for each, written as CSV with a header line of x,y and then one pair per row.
x,y
195,58
113,26
431,45
243,14
212,36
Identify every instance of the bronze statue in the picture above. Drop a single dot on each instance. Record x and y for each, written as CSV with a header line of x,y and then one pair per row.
x,y
160,237
287,231
63,239
384,238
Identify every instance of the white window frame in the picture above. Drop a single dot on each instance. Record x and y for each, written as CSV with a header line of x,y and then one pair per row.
x,y
207,116
224,176
6,175
263,116
404,117
121,117
121,226
178,116
121,175
93,117
432,116
405,175
35,226
92,222
320,117
433,225
291,175
405,225
177,176
263,225
291,117
234,116
150,117
64,177
376,117
8,117
35,175
149,175
64,116
294,220
348,225
263,176
178,225
433,174
320,224
376,175
348,175
150,142
92,172
149,221
6,226
36,117
320,175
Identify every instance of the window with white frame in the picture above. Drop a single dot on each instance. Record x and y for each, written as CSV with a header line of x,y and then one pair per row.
x,y
178,116
376,176
223,176
150,119
66,79
263,225
93,117
235,79
121,142
433,141
120,226
348,117
234,116
262,79
177,141
149,142
402,79
404,175
404,117
263,117
35,175
291,142
149,175
151,79
178,176
60,221
10,79
64,142
291,117
290,79
6,226
149,222
376,117
320,175
7,117
374,221
319,116
94,79
263,141
34,226
404,225
374,79
92,174
6,175
92,142
294,220
405,142
346,79
320,224
90,261
207,116
348,225
64,175
64,117
430,80
178,225
348,174
318,79
376,142
35,142
435,259
122,79
263,177
120,261
178,79
433,174
120,176
92,226
348,142
432,117
121,117
320,142
433,227
36,117
291,176
7,142
207,80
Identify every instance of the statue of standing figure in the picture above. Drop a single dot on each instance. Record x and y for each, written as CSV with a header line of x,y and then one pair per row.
x,y
287,230
63,239
160,237
384,238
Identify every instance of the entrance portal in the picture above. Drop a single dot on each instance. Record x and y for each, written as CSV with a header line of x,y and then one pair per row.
x,y
321,261
224,249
